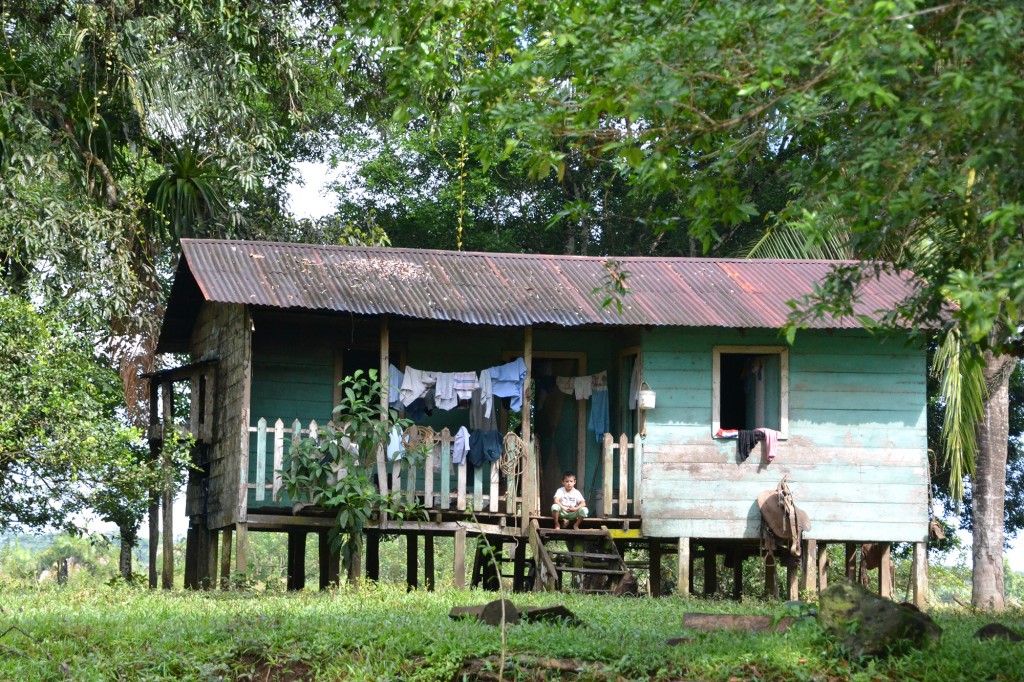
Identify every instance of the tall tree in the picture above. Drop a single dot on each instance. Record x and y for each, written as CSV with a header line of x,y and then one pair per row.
x,y
905,115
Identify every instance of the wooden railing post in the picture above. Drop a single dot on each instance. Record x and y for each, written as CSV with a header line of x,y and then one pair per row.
x,y
607,475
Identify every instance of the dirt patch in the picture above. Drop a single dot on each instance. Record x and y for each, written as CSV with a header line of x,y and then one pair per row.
x,y
256,668
520,668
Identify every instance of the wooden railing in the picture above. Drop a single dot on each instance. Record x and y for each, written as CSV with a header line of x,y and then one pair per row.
x,y
617,466
437,482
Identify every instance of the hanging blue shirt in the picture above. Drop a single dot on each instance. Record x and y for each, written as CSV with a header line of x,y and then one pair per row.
x,y
599,422
507,382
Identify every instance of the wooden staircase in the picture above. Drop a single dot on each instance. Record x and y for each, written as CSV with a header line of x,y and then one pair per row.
x,y
581,560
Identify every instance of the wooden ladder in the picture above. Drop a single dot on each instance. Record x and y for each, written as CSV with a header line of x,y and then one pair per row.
x,y
582,560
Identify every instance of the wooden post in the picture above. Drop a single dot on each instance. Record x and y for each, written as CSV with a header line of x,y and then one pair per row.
x,y
809,564
242,548
885,572
606,474
460,559
851,561
823,566
530,482
330,562
793,582
210,582
683,569
710,571
771,581
654,550
355,564
385,364
737,574
412,566
296,559
167,506
919,572
191,581
519,568
154,494
428,561
372,556
225,558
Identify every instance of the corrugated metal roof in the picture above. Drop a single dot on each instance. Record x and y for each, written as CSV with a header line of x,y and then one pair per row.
x,y
512,289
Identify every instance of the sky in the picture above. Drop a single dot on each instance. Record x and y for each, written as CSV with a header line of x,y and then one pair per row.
x,y
314,199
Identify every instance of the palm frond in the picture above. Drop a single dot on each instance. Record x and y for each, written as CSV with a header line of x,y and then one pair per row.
x,y
962,391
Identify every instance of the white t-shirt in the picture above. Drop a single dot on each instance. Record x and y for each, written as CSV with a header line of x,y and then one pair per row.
x,y
569,499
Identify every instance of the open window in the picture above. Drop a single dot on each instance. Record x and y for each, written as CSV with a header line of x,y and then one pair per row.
x,y
750,388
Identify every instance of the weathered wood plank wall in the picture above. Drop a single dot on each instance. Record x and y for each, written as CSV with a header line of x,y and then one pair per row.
x,y
855,457
222,331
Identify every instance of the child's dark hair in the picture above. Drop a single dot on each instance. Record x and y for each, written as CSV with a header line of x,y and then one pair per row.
x,y
567,474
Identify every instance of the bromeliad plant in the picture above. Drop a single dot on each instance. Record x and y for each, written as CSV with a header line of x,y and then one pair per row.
x,y
332,470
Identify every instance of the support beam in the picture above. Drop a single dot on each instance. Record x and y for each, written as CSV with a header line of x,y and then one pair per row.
x,y
330,562
355,564
412,564
167,504
428,561
771,580
241,548
296,560
809,564
210,579
710,571
919,576
683,569
385,364
737,575
823,566
225,558
885,572
191,558
460,559
851,561
793,582
530,482
373,556
519,568
654,550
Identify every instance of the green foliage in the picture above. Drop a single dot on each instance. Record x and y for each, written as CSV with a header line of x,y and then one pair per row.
x,y
333,469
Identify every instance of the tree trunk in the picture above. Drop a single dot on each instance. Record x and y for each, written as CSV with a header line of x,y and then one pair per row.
x,y
988,487
129,537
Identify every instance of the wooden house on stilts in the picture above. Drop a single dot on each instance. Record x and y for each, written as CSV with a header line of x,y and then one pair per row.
x,y
644,403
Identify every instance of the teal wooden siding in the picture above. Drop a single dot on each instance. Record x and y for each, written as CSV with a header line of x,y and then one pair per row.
x,y
855,456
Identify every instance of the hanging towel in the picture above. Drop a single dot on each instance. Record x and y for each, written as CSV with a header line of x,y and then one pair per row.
x,y
460,446
465,384
395,378
599,422
444,391
415,384
486,396
507,382
771,442
745,443
484,446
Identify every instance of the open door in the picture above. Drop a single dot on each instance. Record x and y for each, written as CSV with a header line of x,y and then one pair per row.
x,y
559,424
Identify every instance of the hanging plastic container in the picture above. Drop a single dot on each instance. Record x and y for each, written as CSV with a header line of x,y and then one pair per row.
x,y
645,397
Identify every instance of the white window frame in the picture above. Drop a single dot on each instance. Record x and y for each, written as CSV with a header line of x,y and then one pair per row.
x,y
716,382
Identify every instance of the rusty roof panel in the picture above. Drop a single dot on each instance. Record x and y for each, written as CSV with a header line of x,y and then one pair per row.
x,y
513,289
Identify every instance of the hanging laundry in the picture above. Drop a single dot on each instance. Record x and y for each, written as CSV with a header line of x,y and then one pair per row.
x,y
484,446
477,418
771,442
727,433
599,420
460,446
486,397
745,443
599,381
395,378
565,384
579,387
444,391
465,384
415,384
395,449
507,382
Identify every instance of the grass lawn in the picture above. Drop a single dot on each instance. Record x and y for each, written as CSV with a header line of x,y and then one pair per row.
x,y
384,633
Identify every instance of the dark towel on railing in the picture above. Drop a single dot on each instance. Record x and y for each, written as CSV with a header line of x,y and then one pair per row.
x,y
745,443
484,446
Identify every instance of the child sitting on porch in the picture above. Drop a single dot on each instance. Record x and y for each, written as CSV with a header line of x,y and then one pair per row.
x,y
569,503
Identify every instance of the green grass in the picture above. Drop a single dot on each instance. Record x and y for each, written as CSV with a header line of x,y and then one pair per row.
x,y
385,633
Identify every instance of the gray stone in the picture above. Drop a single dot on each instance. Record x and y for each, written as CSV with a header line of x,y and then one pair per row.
x,y
997,631
492,613
867,625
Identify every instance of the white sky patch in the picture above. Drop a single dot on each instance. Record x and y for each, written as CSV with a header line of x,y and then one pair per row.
x,y
314,197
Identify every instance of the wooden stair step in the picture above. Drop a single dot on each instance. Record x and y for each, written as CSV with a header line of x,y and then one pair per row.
x,y
581,555
595,571
569,533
